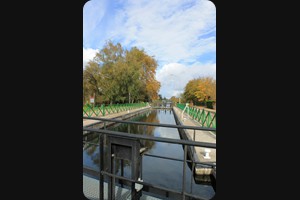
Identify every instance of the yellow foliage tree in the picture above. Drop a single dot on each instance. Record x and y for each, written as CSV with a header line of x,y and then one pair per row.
x,y
206,89
200,89
174,99
119,75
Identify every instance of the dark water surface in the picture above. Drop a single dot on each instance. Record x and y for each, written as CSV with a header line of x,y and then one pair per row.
x,y
156,171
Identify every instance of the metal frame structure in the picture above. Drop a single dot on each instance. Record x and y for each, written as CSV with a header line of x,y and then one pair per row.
x,y
114,135
90,111
205,117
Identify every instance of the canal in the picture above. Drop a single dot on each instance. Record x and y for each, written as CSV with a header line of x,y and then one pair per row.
x,y
156,171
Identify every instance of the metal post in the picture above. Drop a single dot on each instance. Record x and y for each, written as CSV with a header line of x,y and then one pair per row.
x,y
186,107
133,174
101,180
126,139
183,178
103,110
122,170
141,168
205,119
192,174
194,134
111,185
145,129
194,146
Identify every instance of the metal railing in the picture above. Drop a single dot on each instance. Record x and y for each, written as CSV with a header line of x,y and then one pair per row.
x,y
95,111
205,117
162,104
186,143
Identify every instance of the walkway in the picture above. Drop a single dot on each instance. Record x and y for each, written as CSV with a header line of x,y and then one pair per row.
x,y
200,136
91,191
87,122
208,109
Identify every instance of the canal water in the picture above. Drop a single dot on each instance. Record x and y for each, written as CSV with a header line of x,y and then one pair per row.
x,y
156,171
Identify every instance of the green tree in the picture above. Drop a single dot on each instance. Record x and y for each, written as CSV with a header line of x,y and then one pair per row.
x,y
91,80
118,75
144,67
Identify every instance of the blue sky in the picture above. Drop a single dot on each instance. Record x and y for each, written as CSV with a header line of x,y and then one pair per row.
x,y
180,34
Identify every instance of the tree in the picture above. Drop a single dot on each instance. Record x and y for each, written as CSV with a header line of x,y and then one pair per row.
x,y
108,60
182,98
206,89
190,90
174,99
200,90
159,97
110,54
91,80
118,75
145,66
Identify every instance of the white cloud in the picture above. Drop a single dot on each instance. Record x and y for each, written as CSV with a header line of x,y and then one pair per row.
x,y
94,14
174,76
170,30
177,32
88,54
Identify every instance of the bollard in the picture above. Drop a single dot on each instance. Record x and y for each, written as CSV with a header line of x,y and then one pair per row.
x,y
186,106
207,151
138,186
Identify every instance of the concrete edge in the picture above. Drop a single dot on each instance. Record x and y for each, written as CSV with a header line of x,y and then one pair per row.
x,y
122,117
198,169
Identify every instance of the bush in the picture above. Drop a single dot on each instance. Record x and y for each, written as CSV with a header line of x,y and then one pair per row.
x,y
209,104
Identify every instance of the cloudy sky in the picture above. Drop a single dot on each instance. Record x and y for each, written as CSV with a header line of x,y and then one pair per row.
x,y
180,34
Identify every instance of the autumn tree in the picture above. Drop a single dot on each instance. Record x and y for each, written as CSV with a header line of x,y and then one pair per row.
x,y
190,90
145,68
119,75
200,90
206,89
174,99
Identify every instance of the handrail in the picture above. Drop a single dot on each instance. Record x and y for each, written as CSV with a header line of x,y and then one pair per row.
x,y
205,117
151,124
103,110
185,143
153,138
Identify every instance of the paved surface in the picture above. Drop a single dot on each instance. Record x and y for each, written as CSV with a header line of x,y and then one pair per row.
x,y
208,109
91,191
200,136
112,115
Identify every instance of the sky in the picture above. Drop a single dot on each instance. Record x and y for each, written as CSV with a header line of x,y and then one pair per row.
x,y
180,34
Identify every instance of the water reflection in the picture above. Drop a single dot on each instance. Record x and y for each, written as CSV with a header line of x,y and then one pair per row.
x,y
157,171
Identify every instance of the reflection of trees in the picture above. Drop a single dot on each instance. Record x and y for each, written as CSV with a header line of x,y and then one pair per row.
x,y
90,150
91,137
94,138
93,152
150,116
118,166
